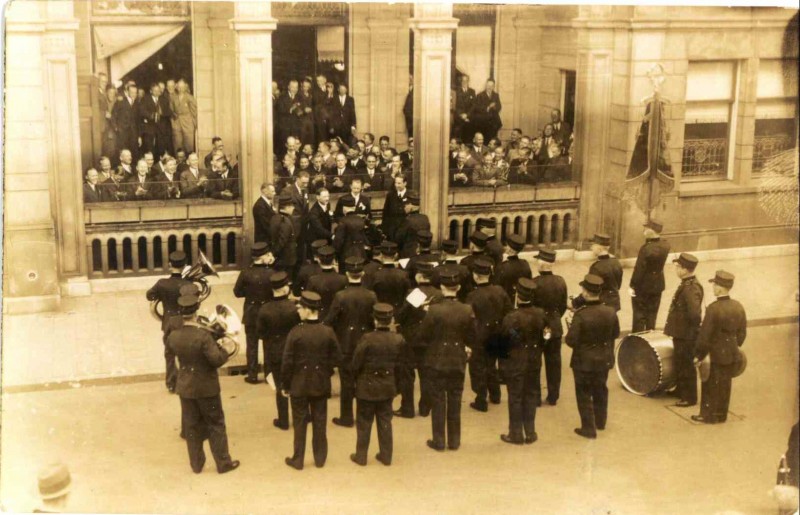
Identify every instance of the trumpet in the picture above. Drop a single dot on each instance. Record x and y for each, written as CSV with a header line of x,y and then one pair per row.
x,y
196,273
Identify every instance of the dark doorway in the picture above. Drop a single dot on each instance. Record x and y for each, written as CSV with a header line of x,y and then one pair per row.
x,y
569,97
173,61
296,54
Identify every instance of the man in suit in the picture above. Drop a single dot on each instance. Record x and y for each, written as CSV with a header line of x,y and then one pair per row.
x,y
360,201
465,97
490,304
477,151
523,169
326,282
350,237
374,179
343,116
591,336
319,97
407,156
647,281
413,224
253,285
169,181
507,273
376,363
286,109
461,174
92,192
286,172
485,112
109,182
609,269
395,208
154,122
350,316
142,186
551,296
124,116
126,166
167,291
282,236
547,139
340,175
198,387
320,218
354,161
561,130
683,324
310,354
494,249
193,180
216,145
263,211
447,332
224,182
723,331
299,193
318,172
522,333
184,116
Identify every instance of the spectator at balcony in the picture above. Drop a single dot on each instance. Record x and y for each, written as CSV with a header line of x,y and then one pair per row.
x,y
343,115
360,145
455,147
407,156
150,160
292,148
489,173
394,170
514,152
169,179
514,139
354,161
350,236
108,134
154,122
337,146
395,208
109,181
461,174
340,175
92,192
384,158
385,144
369,143
478,149
319,97
319,177
140,94
161,166
263,211
523,169
307,150
320,218
216,144
374,179
285,174
184,116
493,144
180,158
125,121
305,112
499,157
194,181
304,164
561,129
288,110
485,112
360,201
536,148
558,167
224,182
324,150
464,98
141,186
543,156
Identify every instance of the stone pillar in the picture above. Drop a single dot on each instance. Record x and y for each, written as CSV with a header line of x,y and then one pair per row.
x,y
383,76
433,26
528,59
254,26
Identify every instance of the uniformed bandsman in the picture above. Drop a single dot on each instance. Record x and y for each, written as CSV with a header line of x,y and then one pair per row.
x,y
308,269
375,364
647,281
683,324
309,357
409,319
723,331
594,328
274,321
168,291
447,332
327,282
283,237
424,253
607,268
202,417
494,249
551,296
253,284
507,273
350,237
477,249
350,316
451,263
490,304
523,337
390,283
413,224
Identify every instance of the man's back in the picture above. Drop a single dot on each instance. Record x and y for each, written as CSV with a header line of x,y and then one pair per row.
x,y
326,283
309,357
350,315
391,284
446,331
200,356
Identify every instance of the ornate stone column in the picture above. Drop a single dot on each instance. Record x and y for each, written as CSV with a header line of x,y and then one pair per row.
x,y
433,26
254,26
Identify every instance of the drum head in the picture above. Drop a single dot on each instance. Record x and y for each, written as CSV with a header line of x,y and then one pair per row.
x,y
638,365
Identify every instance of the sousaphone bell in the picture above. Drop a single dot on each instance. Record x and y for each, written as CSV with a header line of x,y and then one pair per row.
x,y
196,273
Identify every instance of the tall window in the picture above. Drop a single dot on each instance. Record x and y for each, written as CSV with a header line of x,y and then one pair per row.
x,y
711,102
474,44
776,110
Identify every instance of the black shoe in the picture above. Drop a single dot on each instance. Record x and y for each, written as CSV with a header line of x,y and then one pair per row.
x,y
277,423
291,463
400,413
494,400
380,458
453,447
341,422
508,439
424,411
355,460
319,465
479,407
601,428
581,432
251,380
532,438
230,466
684,404
552,402
702,420
199,470
434,446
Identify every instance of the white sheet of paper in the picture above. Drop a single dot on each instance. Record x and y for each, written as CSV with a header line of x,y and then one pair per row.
x,y
271,381
416,297
403,262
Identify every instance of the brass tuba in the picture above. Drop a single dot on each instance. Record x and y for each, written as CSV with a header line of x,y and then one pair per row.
x,y
196,273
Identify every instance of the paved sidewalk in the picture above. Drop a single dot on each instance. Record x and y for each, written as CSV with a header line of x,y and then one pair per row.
x,y
112,335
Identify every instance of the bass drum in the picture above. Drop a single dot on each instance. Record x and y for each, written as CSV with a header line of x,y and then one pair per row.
x,y
645,362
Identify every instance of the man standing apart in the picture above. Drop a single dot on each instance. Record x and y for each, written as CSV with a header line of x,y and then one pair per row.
x,y
551,296
647,281
609,269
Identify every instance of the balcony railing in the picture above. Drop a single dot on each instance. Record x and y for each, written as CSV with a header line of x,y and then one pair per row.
x,y
704,157
765,147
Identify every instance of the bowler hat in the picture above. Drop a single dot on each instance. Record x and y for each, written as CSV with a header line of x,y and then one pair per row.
x,y
177,259
54,481
354,264
592,283
516,242
654,225
602,239
723,278
450,246
311,300
525,289
547,255
687,261
259,248
383,312
479,239
482,266
278,280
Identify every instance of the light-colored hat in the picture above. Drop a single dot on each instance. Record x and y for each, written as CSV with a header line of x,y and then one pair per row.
x,y
54,481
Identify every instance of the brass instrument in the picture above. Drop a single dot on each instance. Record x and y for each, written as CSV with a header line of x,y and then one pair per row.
x,y
224,324
196,273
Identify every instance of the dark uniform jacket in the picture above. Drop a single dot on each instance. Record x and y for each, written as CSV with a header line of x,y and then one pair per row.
x,y
326,283
446,331
464,273
610,270
350,315
723,331
363,206
490,304
409,318
320,223
274,321
494,250
309,357
199,356
370,268
167,291
283,239
648,274
253,285
391,284
685,311
551,296
413,224
509,272
594,328
350,238
485,120
522,333
375,364
306,272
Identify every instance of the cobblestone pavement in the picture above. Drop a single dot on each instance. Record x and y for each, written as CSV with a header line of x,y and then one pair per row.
x,y
121,443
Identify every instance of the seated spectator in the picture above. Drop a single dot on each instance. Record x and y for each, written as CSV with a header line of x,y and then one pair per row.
x,y
514,152
523,169
558,168
361,146
125,168
373,178
161,166
548,137
193,180
318,173
180,158
308,151
385,159
493,144
141,186
169,179
455,147
304,164
354,161
109,181
216,144
477,150
224,182
394,170
499,156
490,174
150,160
407,156
461,173
339,176
369,142
385,145
292,148
92,192
514,139
324,150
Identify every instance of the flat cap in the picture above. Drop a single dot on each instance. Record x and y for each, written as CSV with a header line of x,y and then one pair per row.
x,y
450,278
482,266
54,481
516,241
450,246
413,198
602,239
278,280
654,225
259,248
424,238
177,258
383,312
354,264
525,289
326,254
388,248
723,278
479,239
547,255
311,300
687,261
318,244
425,267
188,303
592,283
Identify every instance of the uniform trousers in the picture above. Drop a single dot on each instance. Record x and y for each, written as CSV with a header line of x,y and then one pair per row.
x,y
348,389
405,383
251,337
171,377
552,364
645,310
686,374
446,389
523,385
366,413
281,402
203,418
318,407
484,377
591,393
716,393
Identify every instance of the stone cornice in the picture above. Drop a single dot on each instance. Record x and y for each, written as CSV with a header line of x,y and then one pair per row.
x,y
254,24
423,24
29,25
381,23
667,24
